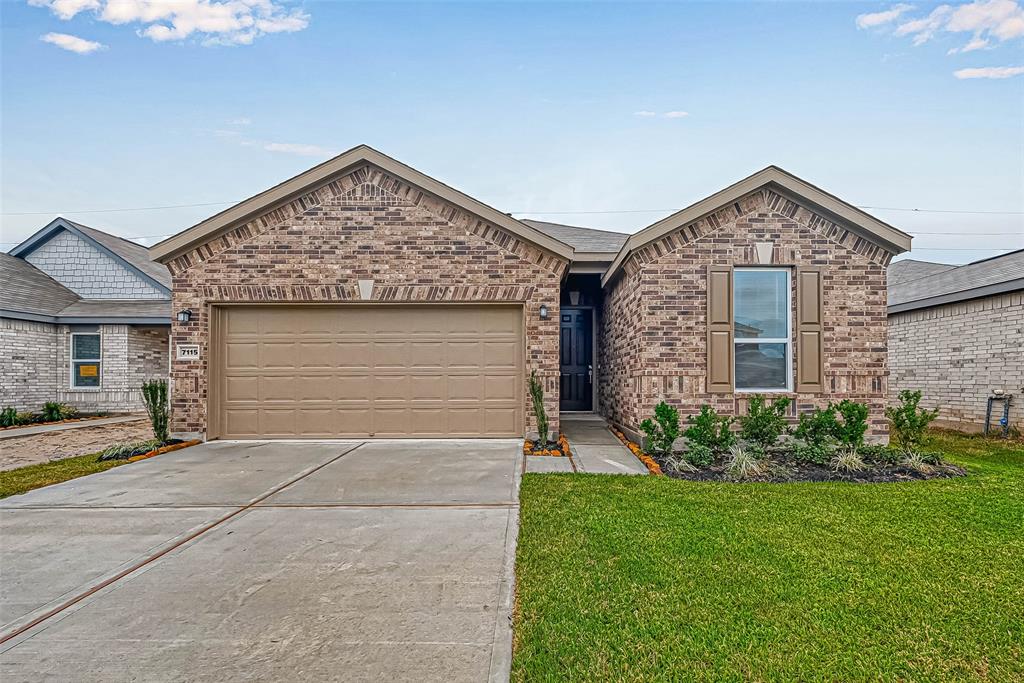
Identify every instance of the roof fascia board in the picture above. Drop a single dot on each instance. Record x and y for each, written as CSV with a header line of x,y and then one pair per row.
x,y
40,237
85,319
319,175
954,297
780,180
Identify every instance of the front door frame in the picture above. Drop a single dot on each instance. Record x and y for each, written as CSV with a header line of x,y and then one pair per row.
x,y
593,357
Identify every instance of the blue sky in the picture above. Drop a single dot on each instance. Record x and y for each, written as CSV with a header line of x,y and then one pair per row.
x,y
536,107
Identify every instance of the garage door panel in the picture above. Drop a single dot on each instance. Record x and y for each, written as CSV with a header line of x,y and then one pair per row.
x,y
403,370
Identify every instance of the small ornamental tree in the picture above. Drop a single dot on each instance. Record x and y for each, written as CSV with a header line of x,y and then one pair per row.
x,y
663,430
537,395
154,394
851,429
908,422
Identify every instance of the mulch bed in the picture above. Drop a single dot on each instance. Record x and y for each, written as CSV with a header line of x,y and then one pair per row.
x,y
558,448
781,470
40,423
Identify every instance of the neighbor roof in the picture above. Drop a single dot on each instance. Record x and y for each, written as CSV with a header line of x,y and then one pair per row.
x,y
912,269
323,173
133,256
786,183
989,276
29,290
582,239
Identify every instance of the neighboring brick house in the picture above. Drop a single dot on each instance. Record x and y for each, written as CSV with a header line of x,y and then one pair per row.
x,y
956,333
84,320
364,298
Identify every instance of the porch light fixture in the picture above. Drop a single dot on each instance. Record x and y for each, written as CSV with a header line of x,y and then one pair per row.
x,y
184,315
543,311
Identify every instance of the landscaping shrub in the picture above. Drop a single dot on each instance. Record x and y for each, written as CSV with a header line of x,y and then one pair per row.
x,y
744,463
123,451
817,429
764,422
699,455
663,430
817,454
55,412
537,394
709,429
9,417
917,462
154,394
908,422
849,431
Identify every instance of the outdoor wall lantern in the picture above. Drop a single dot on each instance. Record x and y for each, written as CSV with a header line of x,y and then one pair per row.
x,y
543,311
184,315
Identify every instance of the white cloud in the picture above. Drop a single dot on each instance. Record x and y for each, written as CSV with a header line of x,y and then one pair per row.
x,y
990,72
645,114
72,43
241,121
213,22
985,20
299,149
880,18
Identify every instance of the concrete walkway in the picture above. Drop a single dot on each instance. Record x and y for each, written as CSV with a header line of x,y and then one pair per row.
x,y
239,561
61,426
596,449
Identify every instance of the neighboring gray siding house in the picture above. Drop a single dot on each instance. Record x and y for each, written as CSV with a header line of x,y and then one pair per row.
x,y
957,334
84,319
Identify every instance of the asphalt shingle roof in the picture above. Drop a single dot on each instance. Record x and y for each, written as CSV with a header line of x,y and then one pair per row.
x,y
25,288
959,283
582,239
912,269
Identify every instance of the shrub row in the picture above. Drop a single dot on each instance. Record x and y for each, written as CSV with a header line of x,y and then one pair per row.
x,y
52,412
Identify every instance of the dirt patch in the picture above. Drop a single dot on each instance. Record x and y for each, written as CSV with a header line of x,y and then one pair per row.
x,y
35,448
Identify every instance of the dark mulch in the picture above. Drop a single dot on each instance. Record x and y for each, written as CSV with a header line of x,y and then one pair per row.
x,y
782,469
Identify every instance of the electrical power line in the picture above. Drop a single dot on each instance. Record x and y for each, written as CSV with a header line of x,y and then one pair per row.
x,y
522,213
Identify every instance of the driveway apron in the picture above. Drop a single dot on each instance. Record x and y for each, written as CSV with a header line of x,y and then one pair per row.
x,y
341,560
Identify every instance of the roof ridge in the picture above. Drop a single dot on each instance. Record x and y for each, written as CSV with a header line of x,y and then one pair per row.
x,y
578,227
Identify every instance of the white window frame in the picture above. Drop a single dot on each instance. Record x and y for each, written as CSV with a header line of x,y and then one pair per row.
x,y
767,340
72,360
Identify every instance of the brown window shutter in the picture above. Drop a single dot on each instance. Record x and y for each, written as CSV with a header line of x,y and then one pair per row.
x,y
720,347
810,347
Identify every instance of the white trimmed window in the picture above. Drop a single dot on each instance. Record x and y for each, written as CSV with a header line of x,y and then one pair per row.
x,y
85,360
762,329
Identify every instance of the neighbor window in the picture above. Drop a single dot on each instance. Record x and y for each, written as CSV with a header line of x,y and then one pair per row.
x,y
85,360
761,329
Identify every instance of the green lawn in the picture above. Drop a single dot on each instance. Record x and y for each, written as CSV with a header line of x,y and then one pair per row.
x,y
649,578
34,476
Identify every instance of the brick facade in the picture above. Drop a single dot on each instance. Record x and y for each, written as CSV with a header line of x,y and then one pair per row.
x,y
365,224
957,353
38,368
654,333
88,272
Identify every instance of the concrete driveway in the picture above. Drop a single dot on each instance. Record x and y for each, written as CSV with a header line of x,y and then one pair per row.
x,y
385,560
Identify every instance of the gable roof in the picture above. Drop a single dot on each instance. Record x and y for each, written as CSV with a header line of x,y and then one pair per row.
x,y
324,173
134,257
787,184
31,294
590,240
986,277
912,269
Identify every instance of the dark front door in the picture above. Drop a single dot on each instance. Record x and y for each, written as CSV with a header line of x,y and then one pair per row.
x,y
576,358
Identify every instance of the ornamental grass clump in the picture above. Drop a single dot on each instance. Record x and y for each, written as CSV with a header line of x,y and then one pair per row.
x,y
662,431
154,394
9,417
848,461
744,463
764,422
53,411
123,451
537,396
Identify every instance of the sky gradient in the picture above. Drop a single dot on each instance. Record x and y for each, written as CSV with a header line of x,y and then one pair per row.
x,y
543,108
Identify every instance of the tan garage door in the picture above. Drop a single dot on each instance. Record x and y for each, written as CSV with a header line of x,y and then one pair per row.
x,y
399,371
